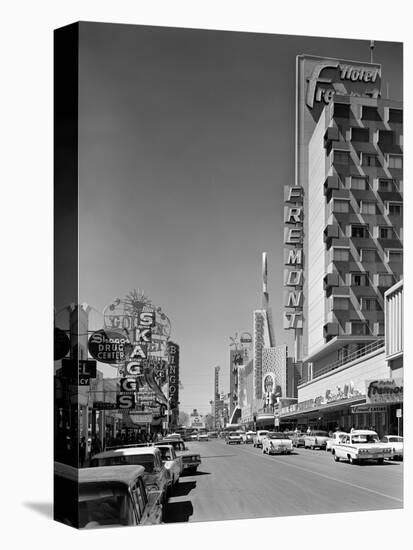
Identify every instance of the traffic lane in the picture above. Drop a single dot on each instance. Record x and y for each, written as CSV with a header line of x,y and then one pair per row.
x,y
384,478
238,482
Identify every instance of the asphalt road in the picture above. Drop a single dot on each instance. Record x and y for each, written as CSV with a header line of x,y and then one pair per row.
x,y
239,482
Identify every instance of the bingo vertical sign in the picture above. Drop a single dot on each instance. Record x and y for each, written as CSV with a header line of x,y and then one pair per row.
x,y
173,374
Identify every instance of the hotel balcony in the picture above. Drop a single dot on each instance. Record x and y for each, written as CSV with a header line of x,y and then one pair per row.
x,y
330,280
330,232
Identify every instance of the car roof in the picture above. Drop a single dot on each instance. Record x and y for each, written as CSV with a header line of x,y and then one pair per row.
x,y
168,441
163,445
120,474
128,451
363,432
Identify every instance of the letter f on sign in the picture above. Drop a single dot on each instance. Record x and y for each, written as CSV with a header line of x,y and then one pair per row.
x,y
314,78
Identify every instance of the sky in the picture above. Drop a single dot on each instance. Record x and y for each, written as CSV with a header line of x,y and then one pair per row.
x,y
186,140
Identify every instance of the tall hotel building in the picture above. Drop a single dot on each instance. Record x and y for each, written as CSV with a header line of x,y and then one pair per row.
x,y
344,251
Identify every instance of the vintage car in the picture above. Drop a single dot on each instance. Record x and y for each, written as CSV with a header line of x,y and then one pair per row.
x,y
212,435
190,462
234,438
108,497
298,439
361,445
316,438
276,443
156,477
396,443
257,439
172,463
248,437
335,437
203,437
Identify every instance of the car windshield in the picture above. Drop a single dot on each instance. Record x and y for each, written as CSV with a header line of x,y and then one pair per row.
x,y
275,435
365,438
104,504
165,453
147,461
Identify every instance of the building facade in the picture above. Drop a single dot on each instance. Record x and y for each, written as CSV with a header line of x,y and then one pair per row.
x,y
350,231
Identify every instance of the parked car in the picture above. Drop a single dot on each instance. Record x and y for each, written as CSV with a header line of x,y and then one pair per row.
x,y
334,439
203,437
234,438
361,445
396,442
190,461
257,439
276,443
316,438
248,437
194,437
171,461
298,439
212,435
156,476
108,497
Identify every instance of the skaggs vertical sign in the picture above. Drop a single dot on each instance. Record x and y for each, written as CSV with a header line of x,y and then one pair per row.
x,y
173,372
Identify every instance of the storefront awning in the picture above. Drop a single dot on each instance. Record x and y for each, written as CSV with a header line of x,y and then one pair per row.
x,y
343,403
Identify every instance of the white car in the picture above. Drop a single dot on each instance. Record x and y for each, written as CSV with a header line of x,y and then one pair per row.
x,y
334,439
276,443
203,437
361,445
171,462
316,438
257,439
396,442
248,437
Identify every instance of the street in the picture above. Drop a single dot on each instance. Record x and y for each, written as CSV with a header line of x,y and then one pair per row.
x,y
240,482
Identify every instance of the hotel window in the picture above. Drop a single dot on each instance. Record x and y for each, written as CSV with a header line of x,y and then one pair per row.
x,y
360,134
394,255
386,232
359,279
369,160
386,137
341,254
385,280
359,184
369,304
367,207
387,185
359,328
395,161
394,208
368,255
340,304
341,157
340,207
360,231
396,115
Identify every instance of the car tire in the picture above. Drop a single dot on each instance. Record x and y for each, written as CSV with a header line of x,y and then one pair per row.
x,y
353,460
336,458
